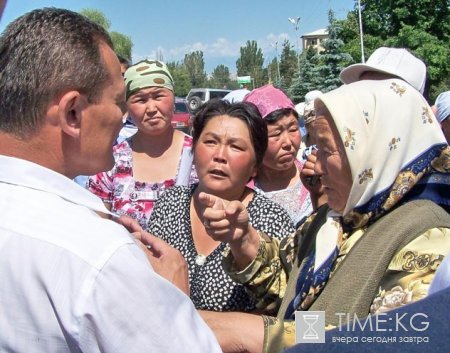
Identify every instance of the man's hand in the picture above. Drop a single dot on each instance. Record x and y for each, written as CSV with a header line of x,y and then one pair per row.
x,y
166,261
129,223
236,332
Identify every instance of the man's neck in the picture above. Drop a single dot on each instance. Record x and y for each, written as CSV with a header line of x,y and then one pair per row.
x,y
32,149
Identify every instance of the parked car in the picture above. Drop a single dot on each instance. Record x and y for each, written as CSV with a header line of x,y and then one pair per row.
x,y
197,96
181,116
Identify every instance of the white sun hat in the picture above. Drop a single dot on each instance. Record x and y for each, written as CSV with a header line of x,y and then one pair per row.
x,y
398,62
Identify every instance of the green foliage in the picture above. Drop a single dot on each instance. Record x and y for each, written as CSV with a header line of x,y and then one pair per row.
x,y
333,59
307,79
421,26
195,66
250,63
386,17
123,44
431,50
272,71
180,77
288,64
220,77
97,17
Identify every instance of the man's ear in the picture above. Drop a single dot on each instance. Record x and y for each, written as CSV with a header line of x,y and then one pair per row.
x,y
70,111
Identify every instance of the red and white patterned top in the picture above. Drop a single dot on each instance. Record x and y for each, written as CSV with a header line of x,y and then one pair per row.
x,y
133,198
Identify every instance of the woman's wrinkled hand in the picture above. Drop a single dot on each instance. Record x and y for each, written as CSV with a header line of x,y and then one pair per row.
x,y
311,180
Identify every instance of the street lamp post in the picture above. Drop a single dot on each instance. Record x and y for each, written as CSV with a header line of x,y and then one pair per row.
x,y
295,21
363,60
278,63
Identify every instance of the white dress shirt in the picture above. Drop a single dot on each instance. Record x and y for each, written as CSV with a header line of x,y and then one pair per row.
x,y
74,282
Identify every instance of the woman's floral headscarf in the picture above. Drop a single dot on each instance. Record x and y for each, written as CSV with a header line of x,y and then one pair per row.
x,y
395,147
397,153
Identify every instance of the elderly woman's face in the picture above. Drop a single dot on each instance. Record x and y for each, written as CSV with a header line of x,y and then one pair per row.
x,y
332,163
224,157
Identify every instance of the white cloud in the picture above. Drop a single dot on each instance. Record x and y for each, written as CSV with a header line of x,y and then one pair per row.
x,y
267,44
220,48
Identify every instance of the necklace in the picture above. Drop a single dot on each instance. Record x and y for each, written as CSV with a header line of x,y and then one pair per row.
x,y
200,260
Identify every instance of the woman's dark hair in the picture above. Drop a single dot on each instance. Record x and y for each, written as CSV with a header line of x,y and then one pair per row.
x,y
280,113
245,111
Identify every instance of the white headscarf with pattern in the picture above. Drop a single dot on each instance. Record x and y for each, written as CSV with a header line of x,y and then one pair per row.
x,y
394,147
388,130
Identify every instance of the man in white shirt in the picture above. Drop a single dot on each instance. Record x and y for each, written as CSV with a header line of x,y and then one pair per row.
x,y
72,281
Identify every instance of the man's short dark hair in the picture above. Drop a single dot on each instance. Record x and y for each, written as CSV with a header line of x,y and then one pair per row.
x,y
124,61
44,53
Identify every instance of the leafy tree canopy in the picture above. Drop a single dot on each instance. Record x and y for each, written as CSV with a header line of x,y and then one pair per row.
x,y
181,78
421,26
195,66
123,44
288,64
250,63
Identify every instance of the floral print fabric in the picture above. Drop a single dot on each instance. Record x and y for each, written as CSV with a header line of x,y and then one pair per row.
x,y
393,144
294,199
396,153
406,280
131,197
211,288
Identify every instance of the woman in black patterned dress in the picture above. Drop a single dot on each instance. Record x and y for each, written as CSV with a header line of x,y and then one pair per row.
x,y
229,143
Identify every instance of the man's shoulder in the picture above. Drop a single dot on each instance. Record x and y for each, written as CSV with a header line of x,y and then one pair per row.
x,y
54,222
89,236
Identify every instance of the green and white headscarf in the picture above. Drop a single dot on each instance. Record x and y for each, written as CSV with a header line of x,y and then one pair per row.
x,y
147,73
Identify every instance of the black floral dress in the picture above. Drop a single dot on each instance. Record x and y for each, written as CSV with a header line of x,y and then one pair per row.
x,y
211,288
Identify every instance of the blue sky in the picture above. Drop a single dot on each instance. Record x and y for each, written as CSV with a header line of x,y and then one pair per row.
x,y
218,28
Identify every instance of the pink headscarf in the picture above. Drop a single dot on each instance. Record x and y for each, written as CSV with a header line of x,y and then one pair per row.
x,y
268,99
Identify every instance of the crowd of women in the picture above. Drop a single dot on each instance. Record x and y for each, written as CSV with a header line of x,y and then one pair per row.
x,y
358,225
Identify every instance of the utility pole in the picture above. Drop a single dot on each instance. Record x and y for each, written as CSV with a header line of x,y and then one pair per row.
x,y
278,62
295,21
363,60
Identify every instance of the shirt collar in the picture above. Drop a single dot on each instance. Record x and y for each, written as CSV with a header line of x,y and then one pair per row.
x,y
34,176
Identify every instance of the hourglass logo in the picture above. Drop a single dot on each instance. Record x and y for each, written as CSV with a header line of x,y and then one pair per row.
x,y
310,326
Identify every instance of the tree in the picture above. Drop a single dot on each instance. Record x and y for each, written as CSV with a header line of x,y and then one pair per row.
x,y
123,44
250,63
288,64
182,81
434,52
308,78
421,26
97,17
332,59
220,77
386,17
195,66
272,71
